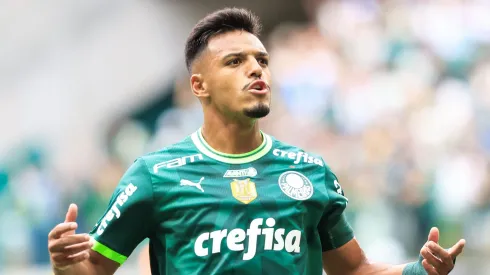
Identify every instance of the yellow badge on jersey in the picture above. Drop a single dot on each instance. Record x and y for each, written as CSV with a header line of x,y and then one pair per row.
x,y
244,190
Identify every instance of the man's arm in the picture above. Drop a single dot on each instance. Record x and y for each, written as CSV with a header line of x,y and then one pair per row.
x,y
349,259
71,253
127,221
144,261
342,254
95,264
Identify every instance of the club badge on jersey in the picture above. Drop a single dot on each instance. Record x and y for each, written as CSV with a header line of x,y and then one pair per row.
x,y
295,185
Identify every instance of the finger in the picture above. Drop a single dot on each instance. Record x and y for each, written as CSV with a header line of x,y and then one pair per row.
x,y
71,215
60,245
64,244
61,257
71,260
60,229
441,253
77,248
430,258
457,248
429,268
434,235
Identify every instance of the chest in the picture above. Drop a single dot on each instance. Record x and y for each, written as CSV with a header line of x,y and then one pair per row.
x,y
217,195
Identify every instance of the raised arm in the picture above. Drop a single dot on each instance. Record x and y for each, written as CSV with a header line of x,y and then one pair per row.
x,y
342,254
350,260
71,253
127,221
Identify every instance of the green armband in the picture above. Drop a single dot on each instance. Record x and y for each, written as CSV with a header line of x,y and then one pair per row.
x,y
415,268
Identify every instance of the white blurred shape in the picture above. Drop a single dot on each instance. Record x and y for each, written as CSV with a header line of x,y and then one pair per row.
x,y
341,18
458,180
480,84
376,224
445,120
477,20
15,242
383,94
307,87
130,141
441,25
417,63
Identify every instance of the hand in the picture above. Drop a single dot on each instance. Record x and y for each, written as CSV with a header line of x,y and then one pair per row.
x,y
437,260
65,247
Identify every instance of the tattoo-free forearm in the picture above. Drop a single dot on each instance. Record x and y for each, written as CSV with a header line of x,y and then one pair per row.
x,y
380,269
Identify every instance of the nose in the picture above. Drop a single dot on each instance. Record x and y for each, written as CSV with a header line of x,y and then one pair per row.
x,y
255,70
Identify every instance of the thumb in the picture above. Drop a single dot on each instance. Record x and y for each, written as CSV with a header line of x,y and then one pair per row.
x,y
434,235
71,215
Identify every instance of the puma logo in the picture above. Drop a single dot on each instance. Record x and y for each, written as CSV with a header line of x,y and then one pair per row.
x,y
193,184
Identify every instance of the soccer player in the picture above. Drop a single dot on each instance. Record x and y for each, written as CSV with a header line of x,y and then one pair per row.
x,y
229,199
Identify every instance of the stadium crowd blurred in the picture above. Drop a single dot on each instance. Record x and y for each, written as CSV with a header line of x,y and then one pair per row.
x,y
395,95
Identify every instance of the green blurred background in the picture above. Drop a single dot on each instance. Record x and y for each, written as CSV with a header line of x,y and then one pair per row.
x,y
395,95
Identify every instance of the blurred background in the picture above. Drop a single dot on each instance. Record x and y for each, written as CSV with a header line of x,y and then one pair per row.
x,y
395,95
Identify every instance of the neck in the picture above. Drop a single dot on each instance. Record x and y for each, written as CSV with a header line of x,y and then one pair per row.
x,y
231,137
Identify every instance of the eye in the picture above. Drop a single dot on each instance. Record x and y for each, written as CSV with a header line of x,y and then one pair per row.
x,y
234,61
263,61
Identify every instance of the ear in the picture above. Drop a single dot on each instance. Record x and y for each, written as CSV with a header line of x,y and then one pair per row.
x,y
199,86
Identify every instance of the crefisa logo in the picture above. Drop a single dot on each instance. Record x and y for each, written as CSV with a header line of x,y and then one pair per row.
x,y
298,157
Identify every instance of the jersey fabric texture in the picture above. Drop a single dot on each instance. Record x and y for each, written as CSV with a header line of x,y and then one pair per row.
x,y
270,211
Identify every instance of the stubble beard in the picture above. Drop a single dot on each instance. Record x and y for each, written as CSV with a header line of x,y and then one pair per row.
x,y
258,111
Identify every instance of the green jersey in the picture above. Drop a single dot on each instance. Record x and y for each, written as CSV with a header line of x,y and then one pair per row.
x,y
271,211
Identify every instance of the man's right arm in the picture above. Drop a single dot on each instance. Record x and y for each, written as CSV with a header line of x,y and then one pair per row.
x,y
72,254
127,221
95,264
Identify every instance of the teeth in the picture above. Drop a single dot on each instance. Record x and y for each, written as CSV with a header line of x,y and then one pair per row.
x,y
257,87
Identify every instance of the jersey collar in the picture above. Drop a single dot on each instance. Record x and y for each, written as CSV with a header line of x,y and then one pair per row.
x,y
259,152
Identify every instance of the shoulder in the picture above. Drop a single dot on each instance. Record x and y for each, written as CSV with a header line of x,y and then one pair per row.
x,y
313,165
309,160
172,156
296,155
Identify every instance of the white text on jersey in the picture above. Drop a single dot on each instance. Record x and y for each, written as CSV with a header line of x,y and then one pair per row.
x,y
249,172
114,211
275,239
299,156
177,162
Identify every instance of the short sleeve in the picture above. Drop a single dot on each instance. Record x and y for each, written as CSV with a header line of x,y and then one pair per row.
x,y
333,228
128,218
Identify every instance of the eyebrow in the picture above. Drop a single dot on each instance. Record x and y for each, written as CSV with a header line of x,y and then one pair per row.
x,y
242,54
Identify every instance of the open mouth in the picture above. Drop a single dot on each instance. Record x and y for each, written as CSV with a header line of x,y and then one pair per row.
x,y
258,87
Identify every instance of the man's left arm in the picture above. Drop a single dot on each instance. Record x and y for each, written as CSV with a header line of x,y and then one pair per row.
x,y
349,259
342,254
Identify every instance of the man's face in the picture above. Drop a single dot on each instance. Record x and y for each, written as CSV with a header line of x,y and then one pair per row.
x,y
236,74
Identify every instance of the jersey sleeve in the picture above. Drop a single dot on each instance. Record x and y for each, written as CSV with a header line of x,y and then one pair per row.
x,y
334,230
128,218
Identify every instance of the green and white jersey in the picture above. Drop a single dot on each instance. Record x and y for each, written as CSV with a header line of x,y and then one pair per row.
x,y
271,211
